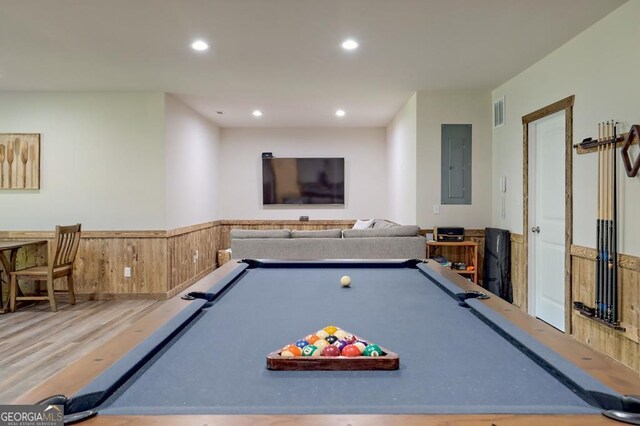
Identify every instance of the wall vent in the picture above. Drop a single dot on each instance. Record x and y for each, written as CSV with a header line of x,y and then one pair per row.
x,y
498,112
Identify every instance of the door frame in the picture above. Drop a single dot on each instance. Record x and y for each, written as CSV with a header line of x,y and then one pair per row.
x,y
565,104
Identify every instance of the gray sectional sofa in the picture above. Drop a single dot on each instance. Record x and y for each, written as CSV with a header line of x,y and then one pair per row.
x,y
382,242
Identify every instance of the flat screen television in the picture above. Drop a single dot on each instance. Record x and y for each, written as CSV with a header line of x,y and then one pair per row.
x,y
302,181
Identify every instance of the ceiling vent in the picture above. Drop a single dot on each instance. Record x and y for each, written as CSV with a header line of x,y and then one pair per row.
x,y
498,112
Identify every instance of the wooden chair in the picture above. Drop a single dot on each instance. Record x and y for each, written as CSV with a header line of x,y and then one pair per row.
x,y
59,264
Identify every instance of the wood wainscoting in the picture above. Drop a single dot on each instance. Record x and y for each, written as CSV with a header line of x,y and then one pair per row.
x,y
162,263
518,271
622,346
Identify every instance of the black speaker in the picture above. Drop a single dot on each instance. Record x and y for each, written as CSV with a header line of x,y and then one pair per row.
x,y
267,155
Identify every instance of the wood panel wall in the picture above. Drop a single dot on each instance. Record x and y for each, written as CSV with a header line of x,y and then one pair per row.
x,y
518,279
622,346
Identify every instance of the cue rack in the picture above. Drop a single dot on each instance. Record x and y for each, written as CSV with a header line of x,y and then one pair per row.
x,y
606,308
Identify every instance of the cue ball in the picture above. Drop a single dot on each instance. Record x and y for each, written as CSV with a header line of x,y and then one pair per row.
x,y
345,281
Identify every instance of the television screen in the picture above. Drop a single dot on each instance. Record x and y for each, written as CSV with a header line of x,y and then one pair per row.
x,y
302,181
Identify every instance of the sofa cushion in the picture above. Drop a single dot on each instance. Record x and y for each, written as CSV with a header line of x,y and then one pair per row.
x,y
363,224
383,223
240,234
325,233
395,231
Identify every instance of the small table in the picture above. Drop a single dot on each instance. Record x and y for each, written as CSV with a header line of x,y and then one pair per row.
x,y
470,255
9,264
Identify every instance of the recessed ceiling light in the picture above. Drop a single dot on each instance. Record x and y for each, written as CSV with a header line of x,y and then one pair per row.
x,y
200,45
340,113
257,113
350,44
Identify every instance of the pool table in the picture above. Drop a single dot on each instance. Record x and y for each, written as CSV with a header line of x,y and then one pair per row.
x,y
461,358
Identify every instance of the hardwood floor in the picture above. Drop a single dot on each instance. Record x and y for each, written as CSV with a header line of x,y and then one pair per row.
x,y
35,343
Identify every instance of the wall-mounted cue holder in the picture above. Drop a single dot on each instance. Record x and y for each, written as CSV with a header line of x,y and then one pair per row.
x,y
605,137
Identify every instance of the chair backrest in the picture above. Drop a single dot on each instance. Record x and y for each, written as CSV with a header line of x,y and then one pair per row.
x,y
65,245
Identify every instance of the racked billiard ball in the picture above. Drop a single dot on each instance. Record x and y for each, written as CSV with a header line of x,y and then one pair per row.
x,y
321,344
310,350
331,339
350,351
340,344
322,334
331,351
331,329
361,346
291,349
312,338
301,343
372,350
340,334
350,338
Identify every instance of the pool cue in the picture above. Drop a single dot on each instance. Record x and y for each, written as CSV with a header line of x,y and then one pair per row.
x,y
598,231
605,261
614,232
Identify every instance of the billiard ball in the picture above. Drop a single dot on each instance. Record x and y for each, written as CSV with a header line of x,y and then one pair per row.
x,y
331,339
345,281
350,338
364,342
372,350
361,346
310,350
322,334
312,338
350,351
331,351
340,344
340,334
321,344
291,349
330,329
301,343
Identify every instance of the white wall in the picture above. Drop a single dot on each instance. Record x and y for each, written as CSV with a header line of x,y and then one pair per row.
x,y
102,160
401,160
582,67
240,183
453,107
192,145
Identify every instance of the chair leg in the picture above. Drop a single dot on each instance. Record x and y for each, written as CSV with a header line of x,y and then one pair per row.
x,y
72,296
12,293
51,294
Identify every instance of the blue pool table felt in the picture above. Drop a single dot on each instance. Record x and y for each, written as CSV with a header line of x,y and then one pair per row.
x,y
450,362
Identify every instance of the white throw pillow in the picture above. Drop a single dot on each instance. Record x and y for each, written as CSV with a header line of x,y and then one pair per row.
x,y
363,224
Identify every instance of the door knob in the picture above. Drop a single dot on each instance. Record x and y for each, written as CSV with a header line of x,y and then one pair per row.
x,y
535,229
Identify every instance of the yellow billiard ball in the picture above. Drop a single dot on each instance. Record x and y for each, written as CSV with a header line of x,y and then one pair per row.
x,y
345,281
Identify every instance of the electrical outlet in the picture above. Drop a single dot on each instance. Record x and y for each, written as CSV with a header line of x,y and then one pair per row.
x,y
195,258
436,209
127,272
197,254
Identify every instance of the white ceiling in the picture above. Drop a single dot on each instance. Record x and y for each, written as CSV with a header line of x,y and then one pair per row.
x,y
283,56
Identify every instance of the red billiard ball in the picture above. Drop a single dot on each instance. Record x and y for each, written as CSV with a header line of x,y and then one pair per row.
x,y
350,350
331,351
